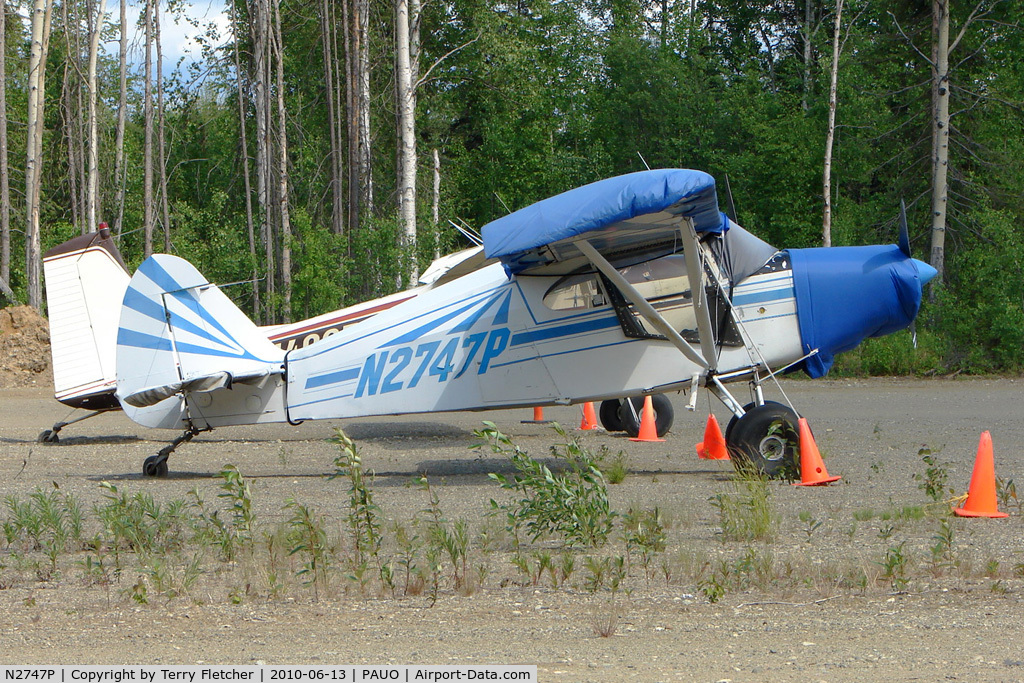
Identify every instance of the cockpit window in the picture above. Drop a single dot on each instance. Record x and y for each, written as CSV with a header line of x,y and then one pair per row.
x,y
579,292
663,277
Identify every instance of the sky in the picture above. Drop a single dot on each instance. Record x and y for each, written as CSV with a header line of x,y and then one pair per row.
x,y
176,35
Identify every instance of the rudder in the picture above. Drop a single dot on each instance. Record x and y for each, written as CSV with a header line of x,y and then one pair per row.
x,y
180,341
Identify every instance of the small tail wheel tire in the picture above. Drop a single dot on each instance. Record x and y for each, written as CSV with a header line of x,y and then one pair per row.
x,y
608,413
48,436
766,439
663,414
155,466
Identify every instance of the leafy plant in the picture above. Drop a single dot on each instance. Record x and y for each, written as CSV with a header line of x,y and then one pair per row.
x,y
746,513
363,513
894,566
308,539
645,534
935,478
236,533
571,505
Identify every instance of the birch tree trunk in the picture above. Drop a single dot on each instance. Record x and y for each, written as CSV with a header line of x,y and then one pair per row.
x,y
331,84
5,180
364,143
244,153
435,209
160,134
260,27
147,157
406,112
92,193
122,107
830,134
41,13
807,55
940,136
282,172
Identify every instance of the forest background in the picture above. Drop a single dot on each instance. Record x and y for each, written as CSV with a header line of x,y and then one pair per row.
x,y
319,151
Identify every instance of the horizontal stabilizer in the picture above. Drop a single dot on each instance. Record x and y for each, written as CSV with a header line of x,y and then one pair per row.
x,y
217,380
181,334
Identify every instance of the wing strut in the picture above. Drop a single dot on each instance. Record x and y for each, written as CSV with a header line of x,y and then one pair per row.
x,y
642,305
695,271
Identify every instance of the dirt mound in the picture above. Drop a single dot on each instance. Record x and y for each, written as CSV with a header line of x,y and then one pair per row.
x,y
24,348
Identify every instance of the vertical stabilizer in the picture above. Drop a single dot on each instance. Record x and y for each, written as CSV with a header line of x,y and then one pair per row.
x,y
186,355
85,282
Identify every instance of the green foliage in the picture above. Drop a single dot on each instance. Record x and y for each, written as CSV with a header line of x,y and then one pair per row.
x,y
895,354
983,312
934,480
571,505
307,539
236,533
139,524
528,100
363,514
746,512
49,521
894,566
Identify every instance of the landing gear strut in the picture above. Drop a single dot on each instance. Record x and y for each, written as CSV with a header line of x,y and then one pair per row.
x,y
156,465
50,435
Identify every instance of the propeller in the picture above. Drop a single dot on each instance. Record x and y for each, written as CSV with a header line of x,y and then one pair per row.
x,y
904,240
904,244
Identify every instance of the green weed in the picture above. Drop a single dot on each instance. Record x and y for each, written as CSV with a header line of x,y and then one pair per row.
x,y
571,505
746,513
308,539
934,481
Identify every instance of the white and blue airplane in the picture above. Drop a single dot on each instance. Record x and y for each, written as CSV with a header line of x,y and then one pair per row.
x,y
631,286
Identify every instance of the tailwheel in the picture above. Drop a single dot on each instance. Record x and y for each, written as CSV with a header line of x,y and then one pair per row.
x,y
48,436
155,466
766,439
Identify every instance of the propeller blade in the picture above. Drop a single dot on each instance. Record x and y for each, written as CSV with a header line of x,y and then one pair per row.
x,y
904,241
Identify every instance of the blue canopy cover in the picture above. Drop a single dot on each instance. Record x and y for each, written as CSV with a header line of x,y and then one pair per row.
x,y
608,206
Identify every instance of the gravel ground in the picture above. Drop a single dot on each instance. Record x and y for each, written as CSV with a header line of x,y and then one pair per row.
x,y
822,610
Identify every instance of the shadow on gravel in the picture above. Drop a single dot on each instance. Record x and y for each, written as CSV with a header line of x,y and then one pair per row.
x,y
404,432
78,441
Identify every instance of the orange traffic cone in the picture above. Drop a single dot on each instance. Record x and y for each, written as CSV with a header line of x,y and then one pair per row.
x,y
812,468
589,417
648,429
981,496
713,445
538,417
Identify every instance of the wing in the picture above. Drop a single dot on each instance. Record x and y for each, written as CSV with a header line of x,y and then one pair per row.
x,y
635,216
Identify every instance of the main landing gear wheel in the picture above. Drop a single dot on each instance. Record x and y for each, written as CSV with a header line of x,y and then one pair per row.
x,y
630,418
766,439
155,466
609,415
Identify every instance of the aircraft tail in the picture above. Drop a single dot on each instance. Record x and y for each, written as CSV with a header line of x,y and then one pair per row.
x,y
181,337
85,281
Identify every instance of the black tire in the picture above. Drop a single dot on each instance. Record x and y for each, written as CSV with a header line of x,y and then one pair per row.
x,y
766,439
746,409
663,414
48,436
155,466
608,413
